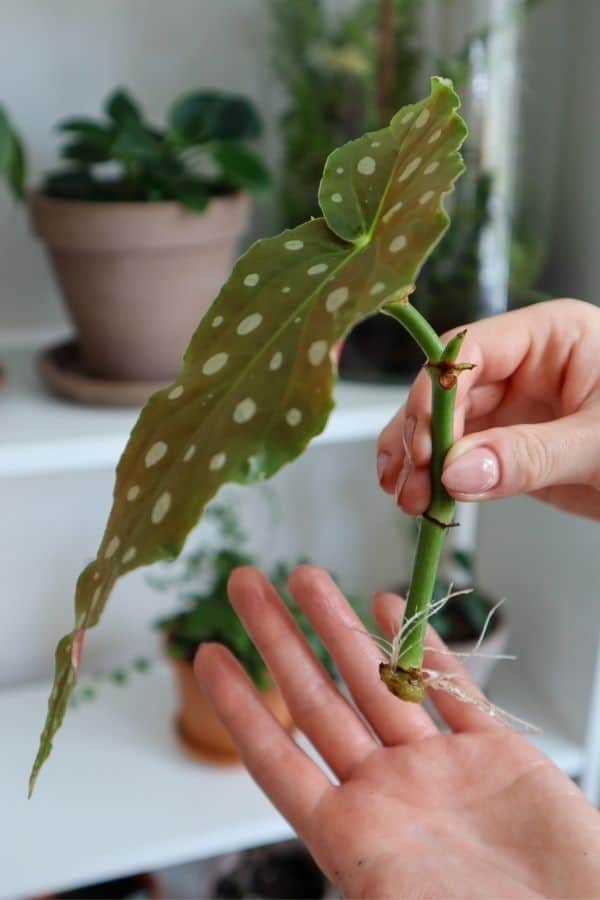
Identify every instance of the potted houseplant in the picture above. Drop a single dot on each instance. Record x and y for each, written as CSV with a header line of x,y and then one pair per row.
x,y
242,408
206,615
141,224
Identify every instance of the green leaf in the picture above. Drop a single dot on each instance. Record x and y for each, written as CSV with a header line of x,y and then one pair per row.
x,y
192,194
86,152
241,166
134,143
13,162
122,108
257,379
88,129
209,115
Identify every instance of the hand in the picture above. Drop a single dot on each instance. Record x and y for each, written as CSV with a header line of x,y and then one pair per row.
x,y
477,813
530,411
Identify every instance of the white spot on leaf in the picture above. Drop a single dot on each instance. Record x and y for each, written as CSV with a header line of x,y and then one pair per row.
x,y
215,364
317,352
217,461
155,453
426,197
133,492
377,288
339,170
410,168
294,245
276,361
176,393
337,198
318,269
398,243
423,118
366,165
161,508
112,547
406,118
218,320
244,411
392,211
293,417
252,279
129,554
435,136
286,289
375,144
250,323
431,167
336,299
189,453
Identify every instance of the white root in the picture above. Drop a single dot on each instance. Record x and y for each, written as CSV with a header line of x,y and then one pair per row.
x,y
450,682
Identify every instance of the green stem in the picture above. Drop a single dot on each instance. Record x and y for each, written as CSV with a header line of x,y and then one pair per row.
x,y
438,517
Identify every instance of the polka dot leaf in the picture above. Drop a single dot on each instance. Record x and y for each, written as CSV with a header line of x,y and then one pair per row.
x,y
257,380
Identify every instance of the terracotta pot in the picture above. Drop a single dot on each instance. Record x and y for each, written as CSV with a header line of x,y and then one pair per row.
x,y
138,277
198,726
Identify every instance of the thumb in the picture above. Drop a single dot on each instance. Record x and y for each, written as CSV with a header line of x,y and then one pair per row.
x,y
519,459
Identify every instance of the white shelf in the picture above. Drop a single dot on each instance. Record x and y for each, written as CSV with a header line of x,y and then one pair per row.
x,y
41,433
118,794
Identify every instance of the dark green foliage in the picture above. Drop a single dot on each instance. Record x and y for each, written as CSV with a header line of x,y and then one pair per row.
x,y
13,163
200,153
331,69
207,613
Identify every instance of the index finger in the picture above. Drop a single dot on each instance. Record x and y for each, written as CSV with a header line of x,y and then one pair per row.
x,y
497,347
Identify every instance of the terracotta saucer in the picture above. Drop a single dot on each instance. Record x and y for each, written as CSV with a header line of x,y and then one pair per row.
x,y
60,367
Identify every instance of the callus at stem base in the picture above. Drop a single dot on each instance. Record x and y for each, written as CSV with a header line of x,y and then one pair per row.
x,y
407,684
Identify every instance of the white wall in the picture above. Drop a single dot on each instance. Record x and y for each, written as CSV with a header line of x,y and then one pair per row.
x,y
61,57
574,267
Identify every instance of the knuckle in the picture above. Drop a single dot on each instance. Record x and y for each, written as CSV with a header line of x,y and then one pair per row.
x,y
534,459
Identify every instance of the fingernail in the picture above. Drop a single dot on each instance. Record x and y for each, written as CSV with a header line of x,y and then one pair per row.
x,y
383,460
476,472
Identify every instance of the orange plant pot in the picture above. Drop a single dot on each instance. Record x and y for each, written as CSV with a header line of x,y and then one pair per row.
x,y
198,727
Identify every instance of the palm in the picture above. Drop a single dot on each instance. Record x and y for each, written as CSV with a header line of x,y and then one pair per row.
x,y
415,813
450,816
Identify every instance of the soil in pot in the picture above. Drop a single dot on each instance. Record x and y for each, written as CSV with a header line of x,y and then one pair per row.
x,y
200,730
132,887
284,872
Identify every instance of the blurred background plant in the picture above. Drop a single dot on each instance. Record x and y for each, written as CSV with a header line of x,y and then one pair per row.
x,y
13,162
201,152
345,69
200,584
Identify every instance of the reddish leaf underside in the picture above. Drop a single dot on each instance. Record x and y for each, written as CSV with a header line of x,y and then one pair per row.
x,y
257,379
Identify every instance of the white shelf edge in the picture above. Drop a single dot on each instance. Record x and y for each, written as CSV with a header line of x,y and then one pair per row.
x,y
43,434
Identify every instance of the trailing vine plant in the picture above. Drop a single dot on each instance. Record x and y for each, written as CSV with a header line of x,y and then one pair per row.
x,y
257,380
